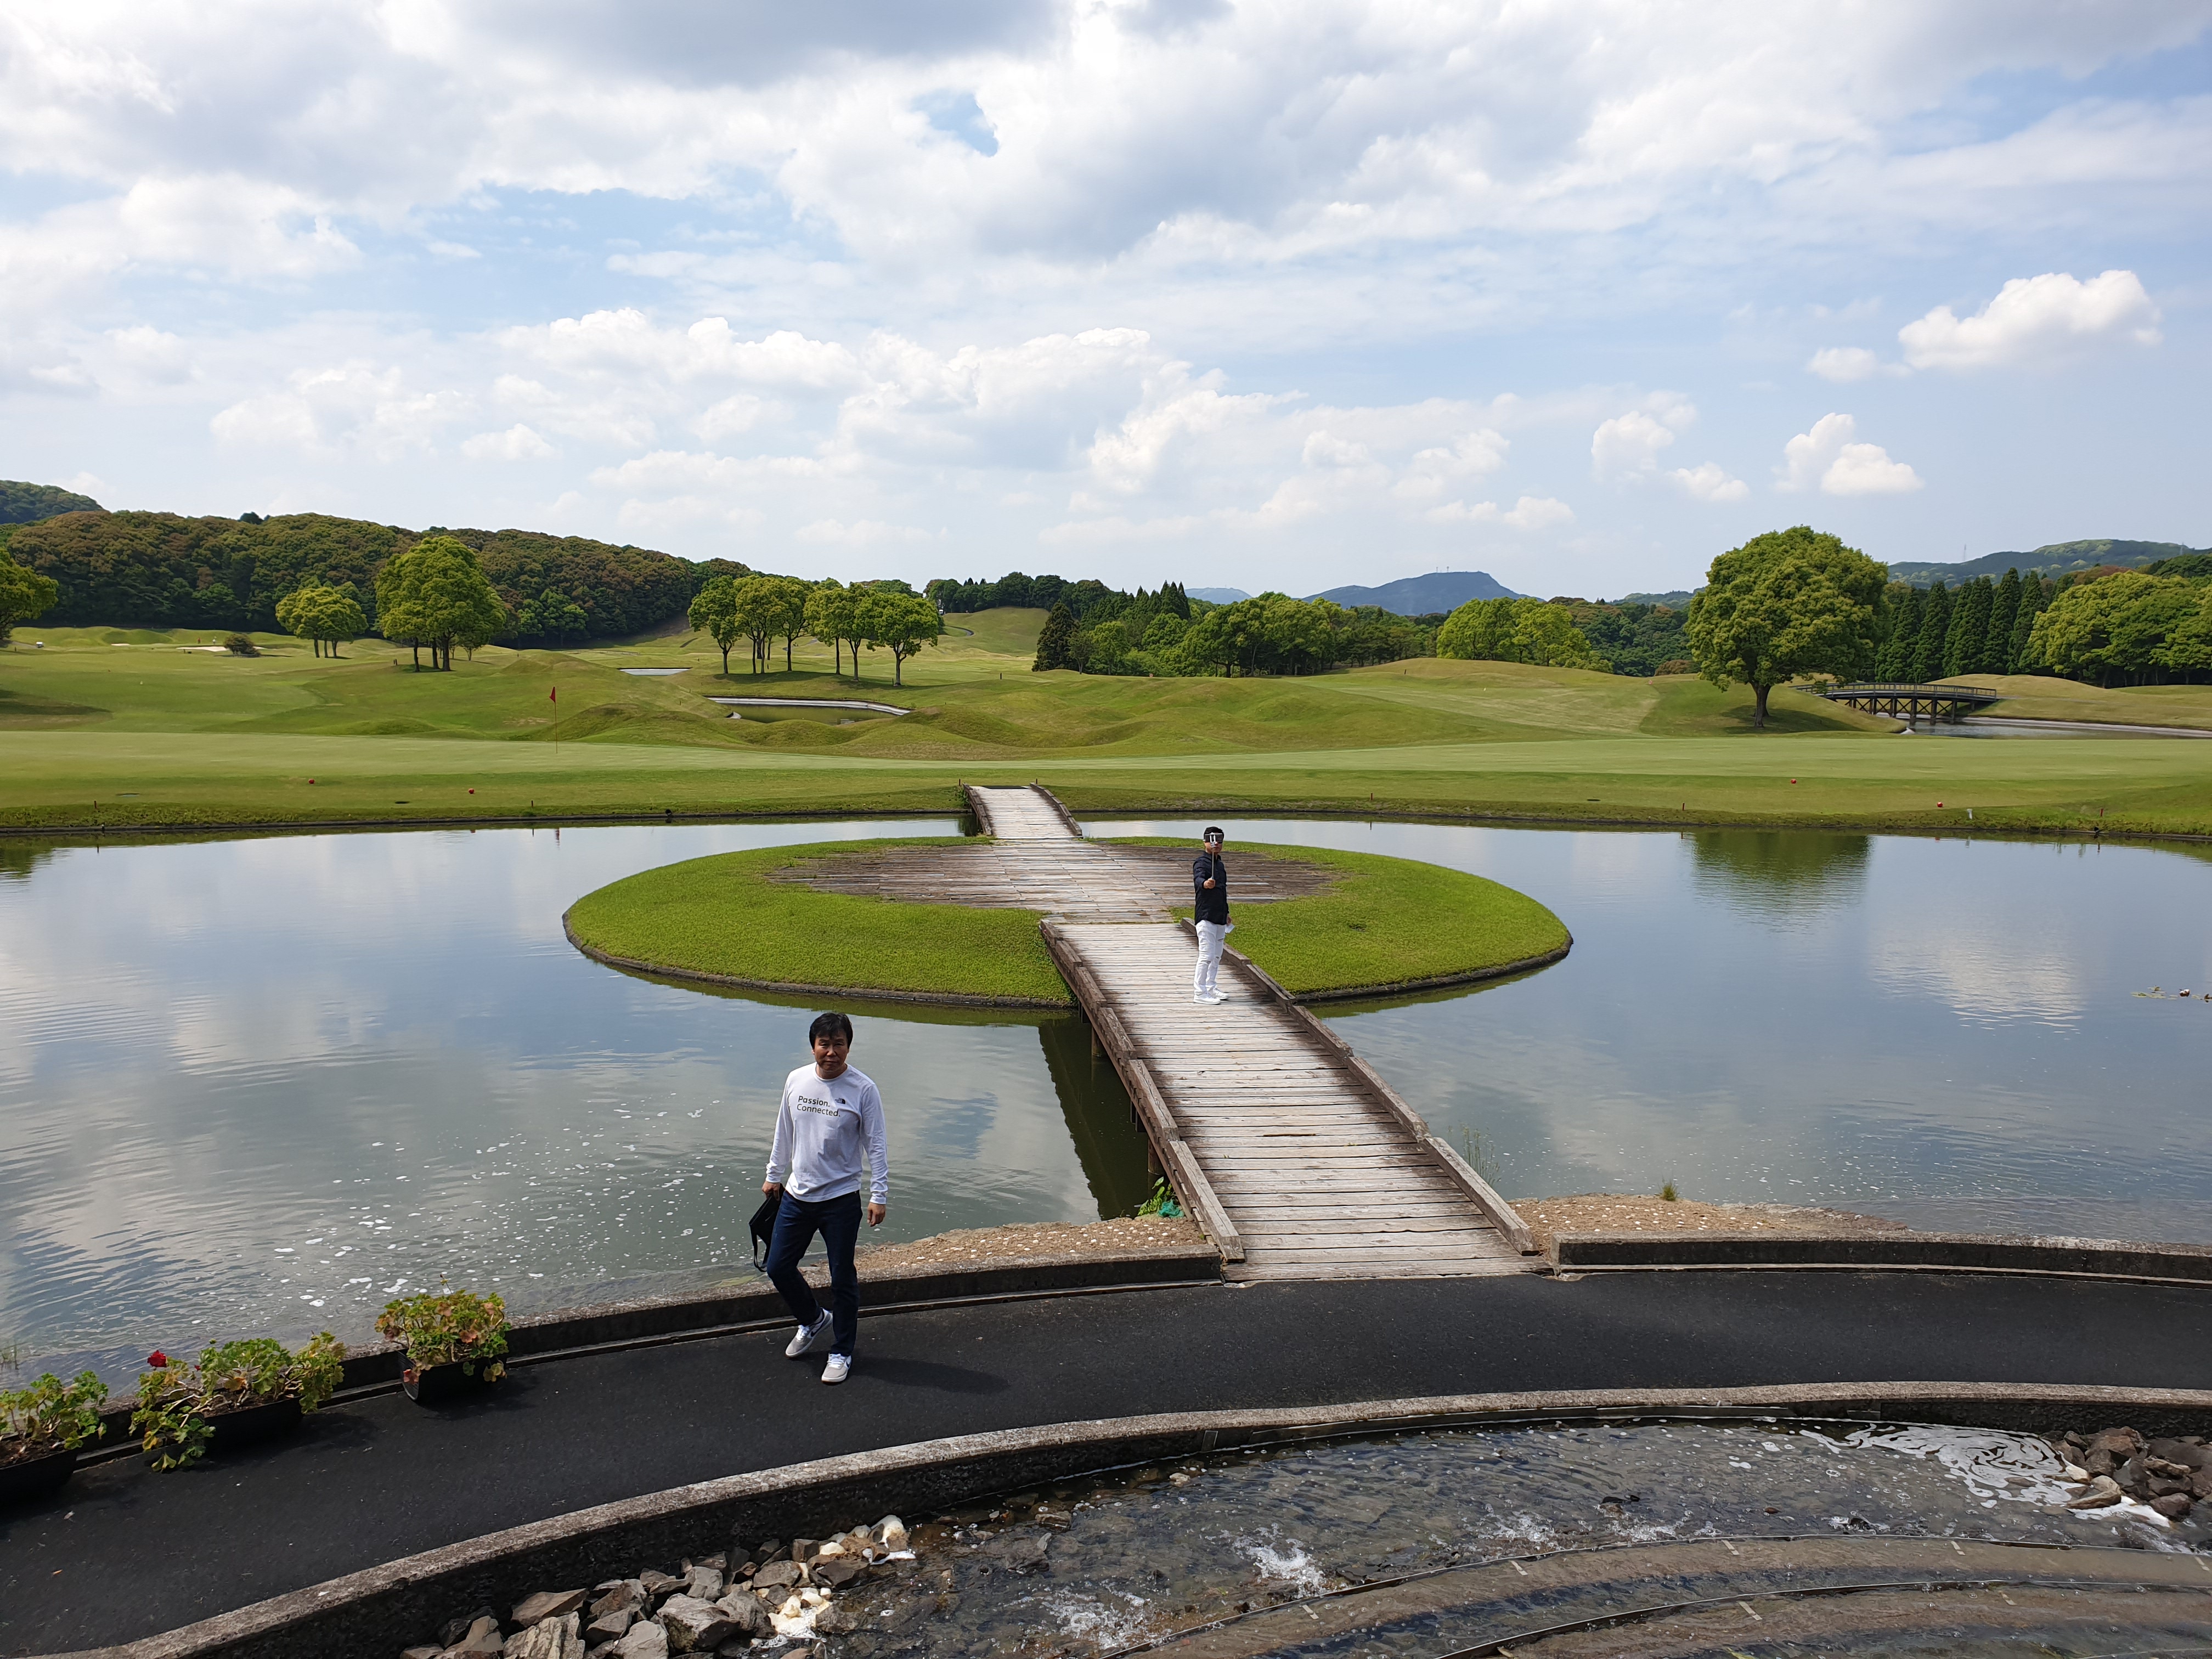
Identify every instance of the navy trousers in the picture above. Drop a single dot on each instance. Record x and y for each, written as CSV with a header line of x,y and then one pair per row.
x,y
838,1221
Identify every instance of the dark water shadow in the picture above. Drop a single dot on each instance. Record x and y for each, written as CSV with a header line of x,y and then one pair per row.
x,y
1780,875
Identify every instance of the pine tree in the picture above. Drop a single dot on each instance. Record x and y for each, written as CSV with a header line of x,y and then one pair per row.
x,y
1934,624
1901,639
2004,612
2034,597
1054,643
1969,629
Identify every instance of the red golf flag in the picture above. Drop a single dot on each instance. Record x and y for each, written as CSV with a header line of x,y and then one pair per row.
x,y
554,695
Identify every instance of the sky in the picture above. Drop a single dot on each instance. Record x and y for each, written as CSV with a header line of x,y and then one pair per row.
x,y
1271,296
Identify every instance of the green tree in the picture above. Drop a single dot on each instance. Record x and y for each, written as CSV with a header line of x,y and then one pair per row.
x,y
1969,632
2114,627
714,612
24,594
1790,601
1935,633
2187,649
322,615
834,616
552,616
2004,612
791,614
1056,639
2034,595
902,623
758,607
436,594
1517,630
1901,604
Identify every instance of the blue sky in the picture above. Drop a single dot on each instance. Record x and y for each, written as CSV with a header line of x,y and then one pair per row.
x,y
1254,295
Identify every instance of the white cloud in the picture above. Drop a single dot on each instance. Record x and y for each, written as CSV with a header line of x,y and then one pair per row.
x,y
1845,365
517,443
1830,455
1628,445
1708,482
2035,320
866,532
1530,512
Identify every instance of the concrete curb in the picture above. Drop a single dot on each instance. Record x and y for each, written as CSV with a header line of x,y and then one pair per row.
x,y
367,1615
1949,1253
829,992
672,1319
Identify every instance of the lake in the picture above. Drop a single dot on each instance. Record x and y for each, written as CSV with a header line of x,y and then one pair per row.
x,y
265,1084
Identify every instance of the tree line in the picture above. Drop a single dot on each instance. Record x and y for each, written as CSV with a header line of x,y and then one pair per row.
x,y
161,570
762,610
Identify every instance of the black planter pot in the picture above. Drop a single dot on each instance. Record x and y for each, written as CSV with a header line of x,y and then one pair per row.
x,y
434,1385
35,1477
251,1424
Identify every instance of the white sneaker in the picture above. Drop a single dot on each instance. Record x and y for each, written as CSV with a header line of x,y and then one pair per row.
x,y
807,1336
838,1369
1211,998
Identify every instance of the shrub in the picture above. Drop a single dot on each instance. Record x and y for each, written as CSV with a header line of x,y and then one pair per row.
x,y
1675,665
239,645
448,1327
49,1416
176,1401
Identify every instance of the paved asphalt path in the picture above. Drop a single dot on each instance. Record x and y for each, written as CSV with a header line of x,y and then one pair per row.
x,y
126,1552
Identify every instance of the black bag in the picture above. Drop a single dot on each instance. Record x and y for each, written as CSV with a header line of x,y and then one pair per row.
x,y
764,1230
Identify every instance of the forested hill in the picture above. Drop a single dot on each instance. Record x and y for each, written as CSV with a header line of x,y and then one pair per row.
x,y
26,503
2053,559
158,570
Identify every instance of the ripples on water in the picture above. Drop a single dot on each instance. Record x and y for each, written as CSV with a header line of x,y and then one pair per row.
x,y
1146,1552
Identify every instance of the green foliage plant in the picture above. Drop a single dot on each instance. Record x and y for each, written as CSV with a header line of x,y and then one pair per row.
x,y
447,1327
902,623
436,594
323,615
714,612
833,616
239,645
1517,630
553,617
49,1416
1054,643
2126,627
1788,603
24,595
175,1402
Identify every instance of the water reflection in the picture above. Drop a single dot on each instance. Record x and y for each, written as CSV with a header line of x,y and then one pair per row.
x,y
267,1083
1941,1031
1782,876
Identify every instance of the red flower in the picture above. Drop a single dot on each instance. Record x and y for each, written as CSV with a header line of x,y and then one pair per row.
x,y
157,1358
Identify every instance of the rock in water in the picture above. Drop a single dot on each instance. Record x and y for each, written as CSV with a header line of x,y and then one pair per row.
x,y
1021,1554
645,1641
778,1575
890,1533
694,1626
2174,1505
547,1604
705,1582
2104,1492
838,1571
747,1614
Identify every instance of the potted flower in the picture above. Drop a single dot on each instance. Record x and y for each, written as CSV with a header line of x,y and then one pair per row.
x,y
238,1393
40,1428
456,1341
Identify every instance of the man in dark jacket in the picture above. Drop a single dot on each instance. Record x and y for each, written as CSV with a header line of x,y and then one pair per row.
x,y
1209,878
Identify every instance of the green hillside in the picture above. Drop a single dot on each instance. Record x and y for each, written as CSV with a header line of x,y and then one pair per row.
x,y
27,503
2053,559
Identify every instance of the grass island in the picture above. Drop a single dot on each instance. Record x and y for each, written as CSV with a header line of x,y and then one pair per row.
x,y
751,919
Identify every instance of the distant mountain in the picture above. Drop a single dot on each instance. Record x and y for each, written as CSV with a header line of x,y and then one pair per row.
x,y
1423,596
2054,559
27,503
1217,595
1677,600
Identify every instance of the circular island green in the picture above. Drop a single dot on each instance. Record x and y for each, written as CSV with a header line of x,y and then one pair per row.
x,y
1370,926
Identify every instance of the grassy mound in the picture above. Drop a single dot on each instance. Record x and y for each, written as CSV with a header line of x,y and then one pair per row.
x,y
722,915
1389,921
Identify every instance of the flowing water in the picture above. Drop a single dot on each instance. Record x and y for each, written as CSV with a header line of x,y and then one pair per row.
x,y
263,1084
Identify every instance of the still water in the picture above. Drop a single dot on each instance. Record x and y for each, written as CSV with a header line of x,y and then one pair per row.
x,y
264,1084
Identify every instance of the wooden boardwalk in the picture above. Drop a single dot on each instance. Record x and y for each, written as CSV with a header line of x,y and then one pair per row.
x,y
1298,1160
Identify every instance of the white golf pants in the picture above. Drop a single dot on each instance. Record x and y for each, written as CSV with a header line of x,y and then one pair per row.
x,y
1210,937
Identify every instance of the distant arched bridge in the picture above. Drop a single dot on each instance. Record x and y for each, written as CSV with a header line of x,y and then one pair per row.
x,y
1909,702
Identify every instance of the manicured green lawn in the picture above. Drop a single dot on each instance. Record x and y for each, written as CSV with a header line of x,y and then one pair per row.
x,y
722,915
145,733
1389,921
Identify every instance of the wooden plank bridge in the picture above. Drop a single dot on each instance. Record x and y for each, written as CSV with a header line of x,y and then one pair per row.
x,y
1293,1155
1912,702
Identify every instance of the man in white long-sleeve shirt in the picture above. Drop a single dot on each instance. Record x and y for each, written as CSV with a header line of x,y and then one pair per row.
x,y
828,1134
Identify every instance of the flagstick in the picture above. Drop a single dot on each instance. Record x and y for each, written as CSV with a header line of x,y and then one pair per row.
x,y
554,697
